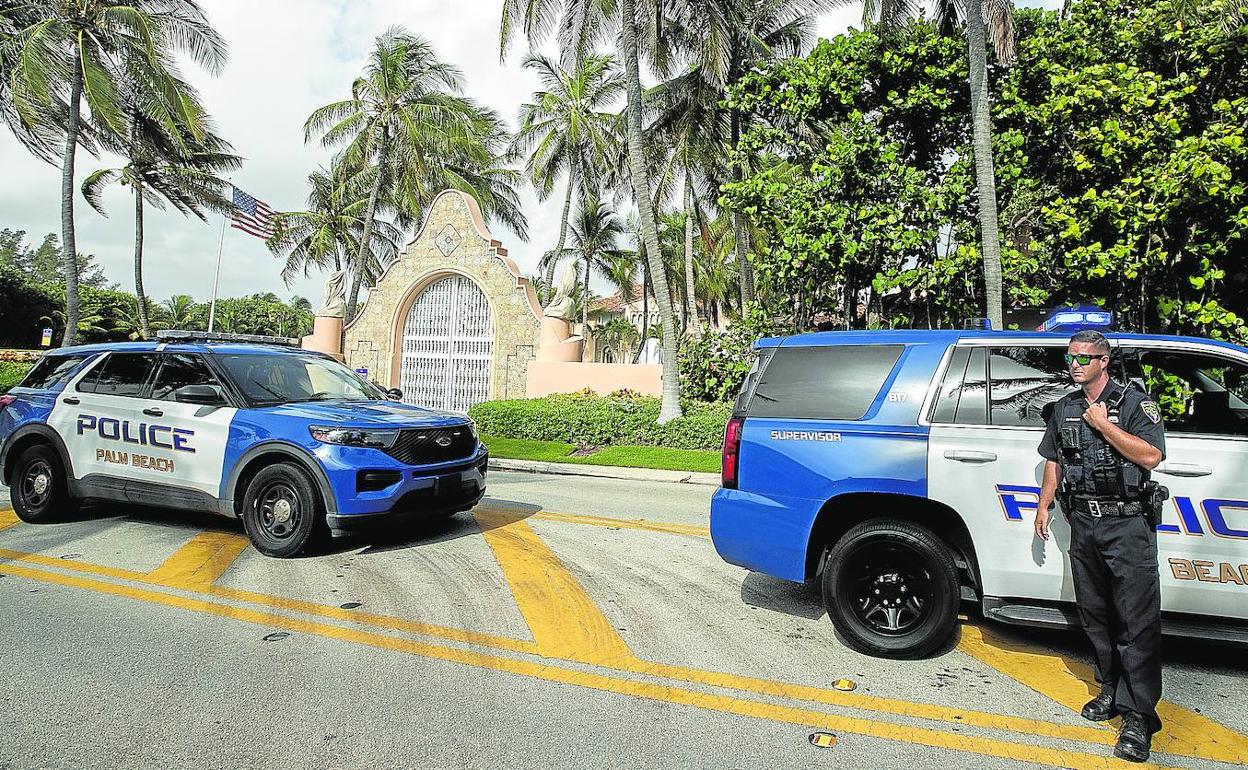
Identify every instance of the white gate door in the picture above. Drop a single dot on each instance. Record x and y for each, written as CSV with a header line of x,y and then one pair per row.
x,y
448,346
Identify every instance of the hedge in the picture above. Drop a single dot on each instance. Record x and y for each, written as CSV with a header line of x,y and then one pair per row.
x,y
11,373
590,420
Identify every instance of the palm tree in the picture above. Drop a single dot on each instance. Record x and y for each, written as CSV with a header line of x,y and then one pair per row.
x,y
618,334
567,131
62,52
181,311
981,18
407,122
596,234
583,25
726,38
175,168
690,131
328,233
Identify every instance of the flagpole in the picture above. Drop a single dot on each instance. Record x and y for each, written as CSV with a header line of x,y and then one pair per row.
x,y
212,307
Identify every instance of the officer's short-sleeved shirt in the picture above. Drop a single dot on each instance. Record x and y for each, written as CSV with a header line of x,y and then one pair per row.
x,y
1139,416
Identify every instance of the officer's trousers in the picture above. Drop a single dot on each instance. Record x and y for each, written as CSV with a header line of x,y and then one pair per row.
x,y
1114,564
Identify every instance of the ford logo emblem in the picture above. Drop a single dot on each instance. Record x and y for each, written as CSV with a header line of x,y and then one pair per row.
x,y
442,441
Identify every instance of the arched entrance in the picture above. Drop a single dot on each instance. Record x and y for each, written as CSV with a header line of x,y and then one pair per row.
x,y
448,346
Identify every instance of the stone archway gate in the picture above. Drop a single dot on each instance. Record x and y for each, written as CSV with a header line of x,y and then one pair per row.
x,y
451,322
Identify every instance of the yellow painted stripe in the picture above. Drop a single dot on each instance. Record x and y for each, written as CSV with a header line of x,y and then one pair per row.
x,y
565,622
77,566
608,521
8,518
876,703
379,621
200,562
1016,752
1071,683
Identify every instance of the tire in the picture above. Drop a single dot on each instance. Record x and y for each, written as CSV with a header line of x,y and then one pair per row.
x,y
40,488
287,530
891,589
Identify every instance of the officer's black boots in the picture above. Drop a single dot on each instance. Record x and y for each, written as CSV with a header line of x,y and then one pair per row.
x,y
1135,739
1100,708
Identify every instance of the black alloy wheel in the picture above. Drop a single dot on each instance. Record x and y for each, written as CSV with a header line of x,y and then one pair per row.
x,y
891,589
40,491
283,512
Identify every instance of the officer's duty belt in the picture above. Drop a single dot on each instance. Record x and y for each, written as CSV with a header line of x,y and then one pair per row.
x,y
1096,508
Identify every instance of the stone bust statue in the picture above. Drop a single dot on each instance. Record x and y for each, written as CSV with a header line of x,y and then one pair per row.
x,y
561,304
335,295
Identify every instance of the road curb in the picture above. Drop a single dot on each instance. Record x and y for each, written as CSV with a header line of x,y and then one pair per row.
x,y
606,472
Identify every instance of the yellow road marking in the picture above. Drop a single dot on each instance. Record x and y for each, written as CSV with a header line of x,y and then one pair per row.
x,y
199,563
1071,683
1017,752
564,620
607,521
8,518
79,566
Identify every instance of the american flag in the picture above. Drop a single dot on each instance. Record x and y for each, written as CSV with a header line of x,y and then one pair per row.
x,y
251,215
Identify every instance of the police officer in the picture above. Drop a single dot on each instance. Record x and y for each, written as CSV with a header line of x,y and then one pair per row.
x,y
1100,444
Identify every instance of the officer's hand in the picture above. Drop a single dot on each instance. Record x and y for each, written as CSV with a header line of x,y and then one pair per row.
x,y
1042,524
1097,415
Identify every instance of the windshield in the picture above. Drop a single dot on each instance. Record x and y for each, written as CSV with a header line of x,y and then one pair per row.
x,y
283,378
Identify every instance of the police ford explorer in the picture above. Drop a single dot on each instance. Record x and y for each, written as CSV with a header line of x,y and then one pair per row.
x,y
292,442
900,468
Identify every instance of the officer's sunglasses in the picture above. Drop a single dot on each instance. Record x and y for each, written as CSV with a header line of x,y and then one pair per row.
x,y
1083,358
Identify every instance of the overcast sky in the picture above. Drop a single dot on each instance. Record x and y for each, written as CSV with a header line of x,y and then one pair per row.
x,y
286,58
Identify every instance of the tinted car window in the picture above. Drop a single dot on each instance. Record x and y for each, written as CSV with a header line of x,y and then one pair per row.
x,y
823,383
950,392
177,371
1023,381
973,401
1197,392
122,374
52,371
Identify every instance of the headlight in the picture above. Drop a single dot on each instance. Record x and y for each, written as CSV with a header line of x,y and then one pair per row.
x,y
376,439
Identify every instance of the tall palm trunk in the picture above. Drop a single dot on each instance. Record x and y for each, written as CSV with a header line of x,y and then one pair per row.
x,y
585,300
69,244
694,326
669,408
563,226
985,176
739,230
144,324
357,270
645,308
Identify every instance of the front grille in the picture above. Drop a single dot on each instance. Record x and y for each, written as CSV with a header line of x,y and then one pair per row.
x,y
422,447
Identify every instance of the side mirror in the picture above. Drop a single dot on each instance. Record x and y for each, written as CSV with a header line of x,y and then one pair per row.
x,y
204,395
395,394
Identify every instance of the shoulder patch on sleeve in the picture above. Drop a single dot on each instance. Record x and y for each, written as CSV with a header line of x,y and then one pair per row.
x,y
1151,410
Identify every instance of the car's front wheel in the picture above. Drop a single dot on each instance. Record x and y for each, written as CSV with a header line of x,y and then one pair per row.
x,y
40,488
891,589
283,513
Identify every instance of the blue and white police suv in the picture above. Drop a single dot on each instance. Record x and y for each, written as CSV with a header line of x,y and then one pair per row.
x,y
294,443
900,469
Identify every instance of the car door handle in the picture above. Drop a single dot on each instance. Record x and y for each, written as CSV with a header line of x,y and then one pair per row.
x,y
1184,469
153,412
71,400
970,456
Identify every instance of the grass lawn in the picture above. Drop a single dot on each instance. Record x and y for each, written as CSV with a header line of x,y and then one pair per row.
x,y
622,456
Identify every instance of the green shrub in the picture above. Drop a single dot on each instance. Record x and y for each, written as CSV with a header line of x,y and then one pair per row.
x,y
713,366
589,420
11,373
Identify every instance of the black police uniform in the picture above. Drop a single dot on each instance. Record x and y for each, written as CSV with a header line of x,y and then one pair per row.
x,y
1113,546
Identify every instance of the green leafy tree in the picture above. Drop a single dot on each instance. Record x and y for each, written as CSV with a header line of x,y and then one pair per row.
x,y
181,311
166,166
981,19
406,125
57,54
328,233
568,131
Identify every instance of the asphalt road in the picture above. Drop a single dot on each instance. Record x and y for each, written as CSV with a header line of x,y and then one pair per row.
x,y
566,623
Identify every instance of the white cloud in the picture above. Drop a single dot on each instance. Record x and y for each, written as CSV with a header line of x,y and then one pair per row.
x,y
287,57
